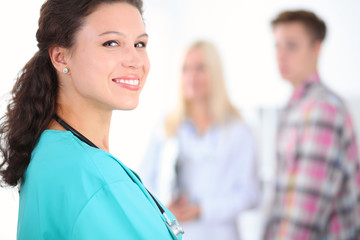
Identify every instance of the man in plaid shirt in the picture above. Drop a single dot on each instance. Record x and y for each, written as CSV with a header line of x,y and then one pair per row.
x,y
318,179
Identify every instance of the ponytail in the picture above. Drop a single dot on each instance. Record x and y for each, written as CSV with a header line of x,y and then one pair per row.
x,y
28,115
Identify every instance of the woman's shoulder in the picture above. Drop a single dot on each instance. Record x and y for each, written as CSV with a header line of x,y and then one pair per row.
x,y
238,130
56,149
56,144
237,125
61,154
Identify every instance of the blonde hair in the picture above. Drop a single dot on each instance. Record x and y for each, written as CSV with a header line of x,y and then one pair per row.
x,y
220,106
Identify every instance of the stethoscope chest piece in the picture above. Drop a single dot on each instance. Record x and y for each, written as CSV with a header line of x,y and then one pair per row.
x,y
174,226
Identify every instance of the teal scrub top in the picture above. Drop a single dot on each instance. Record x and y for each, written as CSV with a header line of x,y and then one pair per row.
x,y
71,190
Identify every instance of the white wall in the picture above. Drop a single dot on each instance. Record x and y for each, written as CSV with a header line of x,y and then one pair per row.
x,y
242,32
240,29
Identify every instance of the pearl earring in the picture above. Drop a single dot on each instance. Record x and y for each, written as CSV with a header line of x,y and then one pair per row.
x,y
65,70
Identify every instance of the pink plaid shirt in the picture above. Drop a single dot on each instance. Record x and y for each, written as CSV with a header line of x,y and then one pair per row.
x,y
318,179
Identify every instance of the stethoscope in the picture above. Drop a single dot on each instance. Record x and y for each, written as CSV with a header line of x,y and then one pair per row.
x,y
174,225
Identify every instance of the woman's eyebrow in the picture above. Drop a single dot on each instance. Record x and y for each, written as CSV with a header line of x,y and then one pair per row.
x,y
112,32
122,34
143,35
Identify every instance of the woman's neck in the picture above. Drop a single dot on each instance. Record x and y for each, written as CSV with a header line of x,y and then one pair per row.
x,y
200,115
94,125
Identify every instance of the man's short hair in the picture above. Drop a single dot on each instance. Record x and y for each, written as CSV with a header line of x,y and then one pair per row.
x,y
315,26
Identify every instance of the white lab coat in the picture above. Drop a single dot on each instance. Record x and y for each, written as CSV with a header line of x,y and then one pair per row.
x,y
217,170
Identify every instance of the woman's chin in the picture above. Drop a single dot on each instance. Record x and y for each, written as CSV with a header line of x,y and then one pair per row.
x,y
126,106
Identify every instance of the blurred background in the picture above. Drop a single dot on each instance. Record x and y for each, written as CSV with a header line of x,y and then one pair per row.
x,y
241,31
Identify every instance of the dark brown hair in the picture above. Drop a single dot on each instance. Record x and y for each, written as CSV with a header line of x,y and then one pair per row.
x,y
312,23
34,94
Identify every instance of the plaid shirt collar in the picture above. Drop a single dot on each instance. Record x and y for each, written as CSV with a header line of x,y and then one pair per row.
x,y
301,91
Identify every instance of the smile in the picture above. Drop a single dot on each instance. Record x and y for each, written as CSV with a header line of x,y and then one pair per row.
x,y
129,82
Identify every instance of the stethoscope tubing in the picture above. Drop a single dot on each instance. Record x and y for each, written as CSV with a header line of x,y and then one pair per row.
x,y
170,224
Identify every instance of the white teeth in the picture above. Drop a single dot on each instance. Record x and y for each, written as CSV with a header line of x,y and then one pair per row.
x,y
130,82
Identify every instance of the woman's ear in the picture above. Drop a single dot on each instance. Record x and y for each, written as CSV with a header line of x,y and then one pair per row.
x,y
58,56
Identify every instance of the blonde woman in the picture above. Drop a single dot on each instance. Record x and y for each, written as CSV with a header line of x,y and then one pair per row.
x,y
210,150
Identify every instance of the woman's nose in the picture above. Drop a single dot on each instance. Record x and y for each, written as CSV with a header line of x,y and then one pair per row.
x,y
131,58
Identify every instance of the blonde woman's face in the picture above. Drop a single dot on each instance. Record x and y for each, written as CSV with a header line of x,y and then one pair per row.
x,y
195,78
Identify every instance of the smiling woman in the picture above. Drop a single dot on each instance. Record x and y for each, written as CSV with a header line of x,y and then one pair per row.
x,y
107,50
92,60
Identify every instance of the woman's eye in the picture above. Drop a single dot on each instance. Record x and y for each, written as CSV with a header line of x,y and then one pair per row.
x,y
200,68
140,45
111,43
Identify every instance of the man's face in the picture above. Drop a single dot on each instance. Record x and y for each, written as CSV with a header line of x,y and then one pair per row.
x,y
296,52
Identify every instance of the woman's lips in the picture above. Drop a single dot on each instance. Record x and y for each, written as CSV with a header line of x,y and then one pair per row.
x,y
131,82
